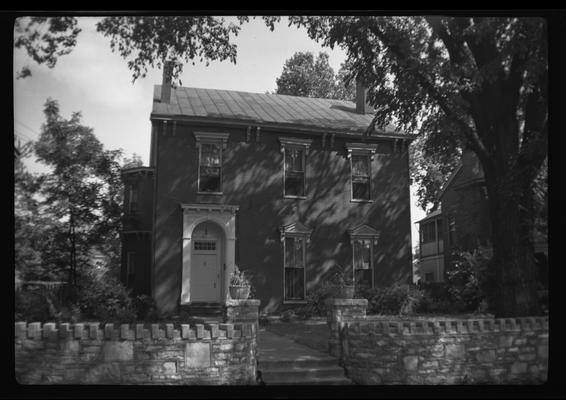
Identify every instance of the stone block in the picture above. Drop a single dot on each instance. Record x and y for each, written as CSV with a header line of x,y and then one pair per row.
x,y
34,330
69,347
170,367
486,356
411,363
118,351
542,351
197,355
455,350
519,368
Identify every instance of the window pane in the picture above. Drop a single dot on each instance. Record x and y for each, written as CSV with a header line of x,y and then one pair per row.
x,y
294,284
294,160
360,165
363,278
362,254
210,180
289,252
294,184
299,259
360,190
210,155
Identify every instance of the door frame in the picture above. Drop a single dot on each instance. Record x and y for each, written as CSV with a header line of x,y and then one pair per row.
x,y
224,216
218,261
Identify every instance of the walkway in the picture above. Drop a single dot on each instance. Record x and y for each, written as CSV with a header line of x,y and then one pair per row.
x,y
285,362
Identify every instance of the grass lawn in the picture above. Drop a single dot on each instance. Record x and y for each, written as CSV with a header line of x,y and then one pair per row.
x,y
313,334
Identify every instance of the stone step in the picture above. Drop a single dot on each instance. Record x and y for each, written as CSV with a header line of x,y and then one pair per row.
x,y
309,381
273,365
301,374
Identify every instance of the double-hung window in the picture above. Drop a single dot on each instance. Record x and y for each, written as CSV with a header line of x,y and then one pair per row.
x,y
210,146
294,166
363,239
361,155
295,238
133,199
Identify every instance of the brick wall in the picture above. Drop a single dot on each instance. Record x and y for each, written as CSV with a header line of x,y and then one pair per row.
x,y
389,350
86,353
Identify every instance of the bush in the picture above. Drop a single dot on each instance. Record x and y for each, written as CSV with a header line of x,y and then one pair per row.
x,y
316,301
105,299
468,286
399,299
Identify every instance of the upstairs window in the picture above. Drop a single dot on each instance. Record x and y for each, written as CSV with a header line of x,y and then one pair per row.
x,y
210,168
133,199
428,232
210,145
361,177
294,168
294,172
452,231
361,155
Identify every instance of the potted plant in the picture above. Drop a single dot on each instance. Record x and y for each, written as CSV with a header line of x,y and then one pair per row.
x,y
344,283
240,284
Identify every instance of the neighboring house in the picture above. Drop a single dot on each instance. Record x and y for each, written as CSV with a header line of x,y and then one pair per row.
x,y
460,222
284,187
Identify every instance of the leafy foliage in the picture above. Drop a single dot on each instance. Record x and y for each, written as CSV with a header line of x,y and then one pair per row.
x,y
474,82
239,278
45,39
147,41
303,75
83,194
399,299
316,301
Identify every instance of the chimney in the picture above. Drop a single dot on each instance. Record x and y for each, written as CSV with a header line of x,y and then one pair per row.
x,y
362,105
166,84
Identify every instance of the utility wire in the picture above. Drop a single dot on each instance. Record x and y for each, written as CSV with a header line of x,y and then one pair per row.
x,y
26,126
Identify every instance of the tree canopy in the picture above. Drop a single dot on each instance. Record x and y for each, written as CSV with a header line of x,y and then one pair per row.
x,y
303,75
474,82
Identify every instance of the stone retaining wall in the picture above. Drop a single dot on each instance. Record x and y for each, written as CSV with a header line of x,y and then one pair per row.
x,y
438,350
86,353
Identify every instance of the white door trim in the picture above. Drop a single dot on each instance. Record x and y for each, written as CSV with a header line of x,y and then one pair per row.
x,y
225,217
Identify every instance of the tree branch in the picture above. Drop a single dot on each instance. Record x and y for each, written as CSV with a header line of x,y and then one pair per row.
x,y
474,140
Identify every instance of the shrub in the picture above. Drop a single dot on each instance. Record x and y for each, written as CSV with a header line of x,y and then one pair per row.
x,y
105,299
316,301
399,299
468,286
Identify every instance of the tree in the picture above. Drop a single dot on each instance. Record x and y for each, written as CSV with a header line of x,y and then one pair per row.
x,y
82,194
486,80
303,75
45,39
144,41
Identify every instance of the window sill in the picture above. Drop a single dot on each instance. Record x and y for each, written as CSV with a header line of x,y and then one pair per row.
x,y
294,302
361,201
211,193
295,197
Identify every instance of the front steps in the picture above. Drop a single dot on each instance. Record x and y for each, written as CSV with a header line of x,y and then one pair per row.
x,y
303,372
204,312
282,361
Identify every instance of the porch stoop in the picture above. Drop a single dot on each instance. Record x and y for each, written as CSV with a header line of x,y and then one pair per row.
x,y
282,361
204,312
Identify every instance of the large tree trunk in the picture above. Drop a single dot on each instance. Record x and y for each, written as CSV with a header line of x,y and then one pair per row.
x,y
511,209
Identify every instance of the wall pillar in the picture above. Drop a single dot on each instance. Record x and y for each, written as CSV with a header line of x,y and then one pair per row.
x,y
339,312
238,311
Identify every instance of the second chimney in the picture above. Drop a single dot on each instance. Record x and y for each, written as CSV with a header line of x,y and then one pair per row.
x,y
166,84
362,105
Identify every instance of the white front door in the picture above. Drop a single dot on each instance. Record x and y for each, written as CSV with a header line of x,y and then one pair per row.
x,y
205,270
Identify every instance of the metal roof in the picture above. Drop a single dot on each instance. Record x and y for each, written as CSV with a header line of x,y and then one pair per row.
x,y
266,109
433,214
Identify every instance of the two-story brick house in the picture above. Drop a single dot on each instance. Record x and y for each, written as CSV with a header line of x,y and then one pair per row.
x,y
284,187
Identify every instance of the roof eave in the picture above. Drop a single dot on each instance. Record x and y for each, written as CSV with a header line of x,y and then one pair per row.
x,y
277,126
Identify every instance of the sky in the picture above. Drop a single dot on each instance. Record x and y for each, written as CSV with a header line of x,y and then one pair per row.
x,y
95,81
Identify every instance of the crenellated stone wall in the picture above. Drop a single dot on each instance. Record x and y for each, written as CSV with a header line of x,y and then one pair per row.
x,y
87,353
429,351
